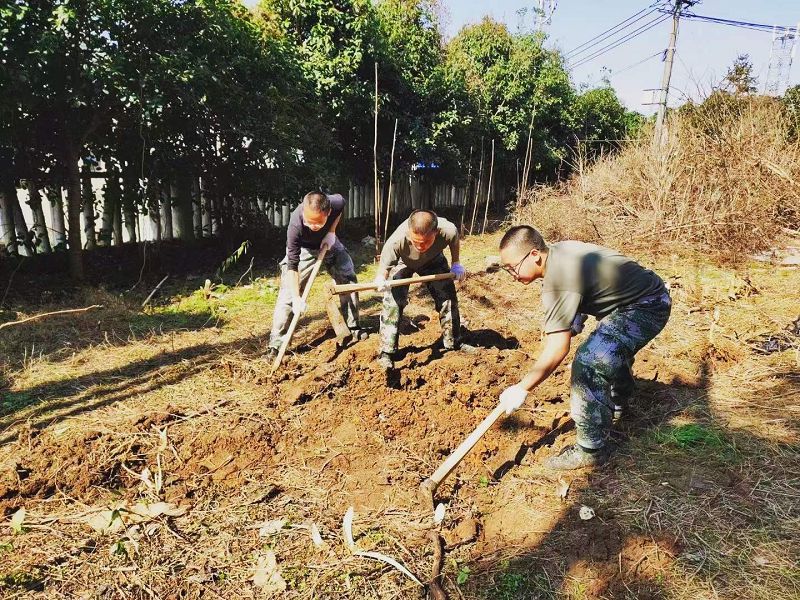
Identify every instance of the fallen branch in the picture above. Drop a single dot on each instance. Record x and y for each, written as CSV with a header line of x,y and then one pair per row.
x,y
155,289
50,314
435,584
250,268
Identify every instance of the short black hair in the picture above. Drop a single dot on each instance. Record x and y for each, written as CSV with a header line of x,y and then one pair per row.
x,y
523,235
317,201
423,221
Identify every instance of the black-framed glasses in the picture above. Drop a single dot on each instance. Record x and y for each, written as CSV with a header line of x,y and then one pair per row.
x,y
514,271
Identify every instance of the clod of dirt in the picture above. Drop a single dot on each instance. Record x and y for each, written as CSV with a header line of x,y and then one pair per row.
x,y
463,533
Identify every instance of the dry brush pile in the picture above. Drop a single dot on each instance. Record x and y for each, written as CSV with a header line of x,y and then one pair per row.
x,y
726,181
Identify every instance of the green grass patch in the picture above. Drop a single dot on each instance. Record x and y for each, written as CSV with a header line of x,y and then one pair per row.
x,y
11,402
697,440
206,307
520,581
20,580
692,435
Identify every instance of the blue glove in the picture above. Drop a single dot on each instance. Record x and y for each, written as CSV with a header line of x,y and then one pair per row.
x,y
459,271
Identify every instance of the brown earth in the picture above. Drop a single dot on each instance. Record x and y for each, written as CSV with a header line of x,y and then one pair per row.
x,y
237,449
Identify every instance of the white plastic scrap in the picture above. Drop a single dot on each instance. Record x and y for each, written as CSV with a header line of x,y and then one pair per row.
x,y
316,537
438,514
347,528
586,513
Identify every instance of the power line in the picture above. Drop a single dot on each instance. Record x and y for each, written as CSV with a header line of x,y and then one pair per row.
x,y
608,32
732,22
591,47
636,64
608,48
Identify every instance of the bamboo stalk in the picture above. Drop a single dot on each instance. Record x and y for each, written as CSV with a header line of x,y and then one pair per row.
x,y
488,193
391,186
466,193
375,165
477,191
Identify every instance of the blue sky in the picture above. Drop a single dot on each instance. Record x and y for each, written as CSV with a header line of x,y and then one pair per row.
x,y
705,50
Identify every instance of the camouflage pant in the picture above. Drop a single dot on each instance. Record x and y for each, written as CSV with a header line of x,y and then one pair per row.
x,y
601,369
339,265
444,297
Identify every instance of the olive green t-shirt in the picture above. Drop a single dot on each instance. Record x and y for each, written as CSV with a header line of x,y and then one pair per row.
x,y
590,279
399,247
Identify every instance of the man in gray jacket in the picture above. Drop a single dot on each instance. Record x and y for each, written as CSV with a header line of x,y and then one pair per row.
x,y
312,225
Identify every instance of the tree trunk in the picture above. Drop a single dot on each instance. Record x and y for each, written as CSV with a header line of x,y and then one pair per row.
x,y
23,233
197,209
111,198
74,212
8,234
207,206
57,217
130,195
153,208
88,209
182,217
166,211
39,224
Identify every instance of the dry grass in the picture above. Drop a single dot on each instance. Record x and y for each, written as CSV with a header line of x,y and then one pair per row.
x,y
726,182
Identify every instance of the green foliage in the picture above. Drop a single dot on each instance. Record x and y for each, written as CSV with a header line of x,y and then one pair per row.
x,y
233,258
272,102
601,120
740,79
463,575
512,79
791,100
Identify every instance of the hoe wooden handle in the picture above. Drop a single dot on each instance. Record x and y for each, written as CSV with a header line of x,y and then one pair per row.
x,y
459,453
362,287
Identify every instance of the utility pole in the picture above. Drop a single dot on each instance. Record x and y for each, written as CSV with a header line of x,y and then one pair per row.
x,y
670,56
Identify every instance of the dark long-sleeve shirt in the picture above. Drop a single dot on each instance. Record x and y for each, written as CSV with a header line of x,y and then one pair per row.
x,y
298,235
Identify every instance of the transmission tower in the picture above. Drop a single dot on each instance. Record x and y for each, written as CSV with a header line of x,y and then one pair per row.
x,y
784,45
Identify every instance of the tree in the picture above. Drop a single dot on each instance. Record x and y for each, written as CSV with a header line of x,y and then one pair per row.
x,y
740,79
600,119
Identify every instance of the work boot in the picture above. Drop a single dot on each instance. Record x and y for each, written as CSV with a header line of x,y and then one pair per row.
x,y
577,457
385,361
360,334
465,348
620,403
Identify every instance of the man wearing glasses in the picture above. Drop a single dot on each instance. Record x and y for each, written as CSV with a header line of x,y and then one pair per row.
x,y
416,247
632,305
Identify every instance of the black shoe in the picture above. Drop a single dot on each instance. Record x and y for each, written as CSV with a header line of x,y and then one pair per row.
x,y
385,361
577,457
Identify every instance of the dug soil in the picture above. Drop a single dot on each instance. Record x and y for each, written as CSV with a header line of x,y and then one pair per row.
x,y
250,465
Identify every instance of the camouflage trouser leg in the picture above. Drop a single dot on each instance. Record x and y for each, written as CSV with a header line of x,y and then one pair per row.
x,y
340,266
446,301
444,297
605,359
